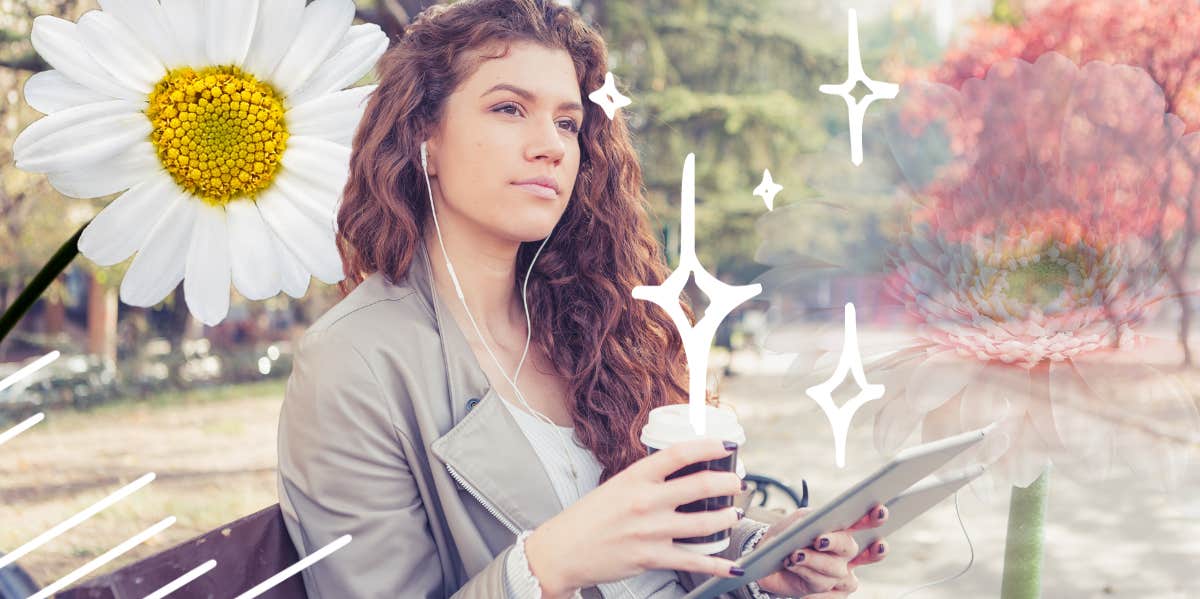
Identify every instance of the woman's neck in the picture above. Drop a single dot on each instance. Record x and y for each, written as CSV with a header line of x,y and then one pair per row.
x,y
486,271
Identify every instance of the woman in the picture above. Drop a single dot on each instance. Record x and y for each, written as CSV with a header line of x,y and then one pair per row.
x,y
402,425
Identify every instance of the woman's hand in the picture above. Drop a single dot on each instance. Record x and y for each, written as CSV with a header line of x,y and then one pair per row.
x,y
625,526
826,568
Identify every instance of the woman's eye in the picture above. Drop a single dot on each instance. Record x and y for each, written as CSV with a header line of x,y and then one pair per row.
x,y
573,128
506,107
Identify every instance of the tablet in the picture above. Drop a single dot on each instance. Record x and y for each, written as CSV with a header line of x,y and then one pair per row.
x,y
914,502
880,487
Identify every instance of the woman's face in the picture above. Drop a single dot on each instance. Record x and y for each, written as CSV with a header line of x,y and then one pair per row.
x,y
516,118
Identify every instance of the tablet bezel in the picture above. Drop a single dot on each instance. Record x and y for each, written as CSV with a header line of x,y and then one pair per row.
x,y
881,486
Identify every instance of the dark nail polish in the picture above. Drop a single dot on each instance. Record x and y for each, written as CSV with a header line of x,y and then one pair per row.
x,y
730,445
798,557
745,485
823,544
881,549
740,512
736,571
882,513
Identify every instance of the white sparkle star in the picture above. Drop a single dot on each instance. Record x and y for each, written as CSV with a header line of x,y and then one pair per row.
x,y
850,361
723,298
608,97
767,189
858,108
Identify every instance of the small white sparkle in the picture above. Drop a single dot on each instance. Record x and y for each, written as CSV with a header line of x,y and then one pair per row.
x,y
857,109
767,189
608,97
849,362
723,298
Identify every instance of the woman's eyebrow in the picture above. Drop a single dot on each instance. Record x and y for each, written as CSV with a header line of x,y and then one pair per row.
x,y
529,96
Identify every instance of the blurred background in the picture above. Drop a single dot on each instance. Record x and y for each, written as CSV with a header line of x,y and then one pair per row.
x,y
152,389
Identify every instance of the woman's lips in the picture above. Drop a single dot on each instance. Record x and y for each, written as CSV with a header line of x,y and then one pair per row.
x,y
538,190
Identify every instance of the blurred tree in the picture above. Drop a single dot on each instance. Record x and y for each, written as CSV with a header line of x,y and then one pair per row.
x,y
731,81
1154,36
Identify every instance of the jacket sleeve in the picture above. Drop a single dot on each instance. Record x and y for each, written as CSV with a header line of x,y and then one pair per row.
x,y
343,469
741,537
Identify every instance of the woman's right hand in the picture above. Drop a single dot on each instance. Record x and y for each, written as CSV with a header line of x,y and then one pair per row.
x,y
625,526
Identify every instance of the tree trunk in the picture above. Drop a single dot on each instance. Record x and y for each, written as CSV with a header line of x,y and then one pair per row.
x,y
102,321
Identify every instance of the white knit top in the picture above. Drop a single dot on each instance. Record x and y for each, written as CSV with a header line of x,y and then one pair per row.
x,y
549,446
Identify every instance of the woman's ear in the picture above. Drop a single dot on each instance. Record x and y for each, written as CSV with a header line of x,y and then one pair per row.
x,y
428,162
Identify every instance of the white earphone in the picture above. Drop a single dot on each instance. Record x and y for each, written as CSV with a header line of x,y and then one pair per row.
x,y
528,333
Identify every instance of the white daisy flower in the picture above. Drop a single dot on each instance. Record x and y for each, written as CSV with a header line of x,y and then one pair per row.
x,y
227,123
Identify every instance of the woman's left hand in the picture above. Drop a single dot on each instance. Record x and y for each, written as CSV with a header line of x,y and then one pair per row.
x,y
823,571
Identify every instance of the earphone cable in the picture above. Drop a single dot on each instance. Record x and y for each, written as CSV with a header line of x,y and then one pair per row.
x,y
528,335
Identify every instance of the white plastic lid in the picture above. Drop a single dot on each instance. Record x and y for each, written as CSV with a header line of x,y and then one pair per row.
x,y
670,424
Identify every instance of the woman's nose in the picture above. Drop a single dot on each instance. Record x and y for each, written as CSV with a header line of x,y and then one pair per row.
x,y
547,143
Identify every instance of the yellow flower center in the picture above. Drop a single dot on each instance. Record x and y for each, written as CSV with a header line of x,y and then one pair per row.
x,y
219,131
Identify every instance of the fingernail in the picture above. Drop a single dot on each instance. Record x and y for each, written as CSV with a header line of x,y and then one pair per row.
x,y
736,571
881,548
730,445
740,512
882,513
823,543
798,557
745,485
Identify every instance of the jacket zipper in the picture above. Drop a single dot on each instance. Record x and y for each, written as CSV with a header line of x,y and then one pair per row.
x,y
487,506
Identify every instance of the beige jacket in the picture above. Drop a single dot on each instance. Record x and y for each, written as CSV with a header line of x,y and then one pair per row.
x,y
389,432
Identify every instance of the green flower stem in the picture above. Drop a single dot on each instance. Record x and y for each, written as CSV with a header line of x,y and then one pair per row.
x,y
58,263
1023,551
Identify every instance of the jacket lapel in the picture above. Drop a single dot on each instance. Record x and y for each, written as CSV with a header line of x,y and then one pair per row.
x,y
486,446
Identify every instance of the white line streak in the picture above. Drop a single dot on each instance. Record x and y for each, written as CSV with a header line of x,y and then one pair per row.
x,y
20,428
29,369
108,556
75,520
313,558
182,580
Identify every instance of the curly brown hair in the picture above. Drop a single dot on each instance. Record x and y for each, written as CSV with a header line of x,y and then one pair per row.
x,y
621,356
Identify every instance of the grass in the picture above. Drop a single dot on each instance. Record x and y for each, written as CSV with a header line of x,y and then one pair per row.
x,y
212,451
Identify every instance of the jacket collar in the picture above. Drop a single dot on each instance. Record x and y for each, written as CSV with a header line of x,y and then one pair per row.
x,y
485,446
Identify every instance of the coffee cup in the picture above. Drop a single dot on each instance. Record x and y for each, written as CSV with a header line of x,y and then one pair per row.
x,y
669,425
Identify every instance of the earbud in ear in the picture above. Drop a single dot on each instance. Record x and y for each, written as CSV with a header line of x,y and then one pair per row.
x,y
423,157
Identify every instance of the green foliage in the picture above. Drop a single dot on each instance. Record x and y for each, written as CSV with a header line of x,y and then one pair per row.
x,y
736,83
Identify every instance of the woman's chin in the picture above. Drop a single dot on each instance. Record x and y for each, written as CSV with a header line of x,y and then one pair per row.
x,y
532,225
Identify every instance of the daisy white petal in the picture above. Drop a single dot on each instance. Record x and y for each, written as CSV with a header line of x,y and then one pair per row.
x,y
118,50
79,136
254,264
311,242
308,201
51,91
323,165
122,226
159,265
230,28
357,55
186,18
293,277
206,281
57,42
146,19
334,117
108,176
277,24
322,27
